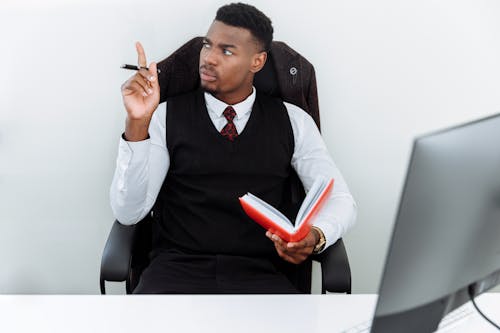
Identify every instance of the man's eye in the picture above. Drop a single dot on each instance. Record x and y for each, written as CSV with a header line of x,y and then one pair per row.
x,y
227,52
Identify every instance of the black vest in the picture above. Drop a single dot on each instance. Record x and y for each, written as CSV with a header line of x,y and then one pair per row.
x,y
197,209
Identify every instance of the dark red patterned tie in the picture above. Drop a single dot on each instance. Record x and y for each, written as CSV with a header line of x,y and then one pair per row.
x,y
229,131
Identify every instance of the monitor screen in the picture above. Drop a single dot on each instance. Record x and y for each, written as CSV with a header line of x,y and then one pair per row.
x,y
447,232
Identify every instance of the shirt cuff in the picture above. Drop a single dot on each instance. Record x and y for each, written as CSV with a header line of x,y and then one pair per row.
x,y
125,139
330,230
130,155
133,149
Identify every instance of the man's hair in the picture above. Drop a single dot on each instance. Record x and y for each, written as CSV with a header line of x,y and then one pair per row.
x,y
246,16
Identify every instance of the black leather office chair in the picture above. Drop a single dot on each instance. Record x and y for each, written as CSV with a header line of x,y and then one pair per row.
x,y
287,75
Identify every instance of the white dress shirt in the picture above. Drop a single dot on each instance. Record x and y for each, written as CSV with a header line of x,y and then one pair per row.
x,y
141,167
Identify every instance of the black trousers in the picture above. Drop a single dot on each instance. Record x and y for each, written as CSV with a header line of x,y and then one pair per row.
x,y
174,272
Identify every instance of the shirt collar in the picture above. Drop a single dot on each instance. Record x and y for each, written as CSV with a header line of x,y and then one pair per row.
x,y
217,106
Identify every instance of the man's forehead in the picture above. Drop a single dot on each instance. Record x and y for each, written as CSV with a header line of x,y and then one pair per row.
x,y
221,33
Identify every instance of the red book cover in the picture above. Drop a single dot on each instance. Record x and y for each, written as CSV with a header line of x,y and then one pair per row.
x,y
272,220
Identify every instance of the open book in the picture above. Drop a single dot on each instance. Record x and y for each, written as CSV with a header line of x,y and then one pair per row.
x,y
272,219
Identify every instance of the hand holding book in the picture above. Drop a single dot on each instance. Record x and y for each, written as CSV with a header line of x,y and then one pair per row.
x,y
294,252
273,220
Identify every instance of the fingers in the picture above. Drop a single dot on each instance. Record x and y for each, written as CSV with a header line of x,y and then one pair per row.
x,y
136,84
153,72
291,256
142,63
143,82
279,244
144,73
141,56
305,243
276,239
141,78
295,252
142,86
293,259
146,79
150,77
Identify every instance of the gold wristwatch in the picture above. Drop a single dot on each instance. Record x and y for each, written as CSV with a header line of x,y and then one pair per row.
x,y
320,245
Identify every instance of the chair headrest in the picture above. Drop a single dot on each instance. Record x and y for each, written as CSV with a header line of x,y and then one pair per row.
x,y
286,75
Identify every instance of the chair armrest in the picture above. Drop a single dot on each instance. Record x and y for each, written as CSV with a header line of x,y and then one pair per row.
x,y
117,254
335,269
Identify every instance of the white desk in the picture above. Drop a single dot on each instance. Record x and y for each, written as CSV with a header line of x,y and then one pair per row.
x,y
233,313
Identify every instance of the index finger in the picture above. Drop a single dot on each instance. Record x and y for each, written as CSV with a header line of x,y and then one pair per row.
x,y
141,56
277,239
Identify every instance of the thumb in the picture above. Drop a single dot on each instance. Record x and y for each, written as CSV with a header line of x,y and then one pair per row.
x,y
154,72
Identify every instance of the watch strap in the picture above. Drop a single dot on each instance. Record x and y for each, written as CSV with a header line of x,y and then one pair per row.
x,y
320,245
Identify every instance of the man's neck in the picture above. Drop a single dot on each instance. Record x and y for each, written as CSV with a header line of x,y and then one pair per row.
x,y
234,99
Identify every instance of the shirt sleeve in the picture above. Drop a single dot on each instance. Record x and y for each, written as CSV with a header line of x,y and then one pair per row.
x,y
141,168
310,160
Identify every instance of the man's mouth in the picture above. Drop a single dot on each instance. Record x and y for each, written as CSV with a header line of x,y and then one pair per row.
x,y
206,75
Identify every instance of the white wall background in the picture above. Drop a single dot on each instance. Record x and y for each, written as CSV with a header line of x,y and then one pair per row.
x,y
387,71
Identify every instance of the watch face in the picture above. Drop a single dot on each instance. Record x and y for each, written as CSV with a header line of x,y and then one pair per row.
x,y
319,246
321,241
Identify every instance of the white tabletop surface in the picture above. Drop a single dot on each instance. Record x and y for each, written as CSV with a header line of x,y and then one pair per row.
x,y
196,313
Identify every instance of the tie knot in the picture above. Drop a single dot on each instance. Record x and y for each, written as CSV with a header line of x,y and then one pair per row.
x,y
229,113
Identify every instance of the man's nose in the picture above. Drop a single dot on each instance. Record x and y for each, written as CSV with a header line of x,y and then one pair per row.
x,y
209,56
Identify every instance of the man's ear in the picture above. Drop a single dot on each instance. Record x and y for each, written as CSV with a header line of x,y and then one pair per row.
x,y
258,61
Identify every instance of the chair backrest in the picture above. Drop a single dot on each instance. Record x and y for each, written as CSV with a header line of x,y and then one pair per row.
x,y
286,75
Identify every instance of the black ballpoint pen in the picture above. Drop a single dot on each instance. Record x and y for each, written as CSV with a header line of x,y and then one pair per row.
x,y
135,68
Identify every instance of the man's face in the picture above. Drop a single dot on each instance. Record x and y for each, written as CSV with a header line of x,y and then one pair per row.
x,y
229,58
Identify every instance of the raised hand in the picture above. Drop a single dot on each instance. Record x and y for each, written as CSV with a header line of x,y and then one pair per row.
x,y
141,96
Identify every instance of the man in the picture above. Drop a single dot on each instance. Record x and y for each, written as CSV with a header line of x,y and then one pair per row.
x,y
195,156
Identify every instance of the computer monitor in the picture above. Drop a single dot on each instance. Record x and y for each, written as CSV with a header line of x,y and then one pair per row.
x,y
446,237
